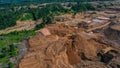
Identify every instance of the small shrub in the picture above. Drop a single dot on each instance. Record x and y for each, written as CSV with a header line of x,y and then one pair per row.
x,y
99,6
13,50
93,13
39,26
11,65
26,17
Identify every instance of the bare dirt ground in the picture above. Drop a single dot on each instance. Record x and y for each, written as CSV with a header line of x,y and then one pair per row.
x,y
83,41
68,47
21,25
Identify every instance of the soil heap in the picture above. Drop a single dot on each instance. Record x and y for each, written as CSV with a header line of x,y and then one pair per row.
x,y
63,46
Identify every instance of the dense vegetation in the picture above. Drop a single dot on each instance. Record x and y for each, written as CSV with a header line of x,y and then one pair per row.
x,y
8,49
10,15
45,1
6,19
8,52
81,7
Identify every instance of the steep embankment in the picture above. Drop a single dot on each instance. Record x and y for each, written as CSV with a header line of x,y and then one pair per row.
x,y
62,46
113,33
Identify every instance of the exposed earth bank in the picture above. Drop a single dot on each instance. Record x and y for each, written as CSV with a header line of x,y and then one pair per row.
x,y
64,46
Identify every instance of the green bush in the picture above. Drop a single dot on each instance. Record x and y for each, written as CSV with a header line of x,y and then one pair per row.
x,y
80,7
99,6
53,9
8,49
6,20
11,65
7,52
39,26
4,59
26,16
13,50
89,6
93,13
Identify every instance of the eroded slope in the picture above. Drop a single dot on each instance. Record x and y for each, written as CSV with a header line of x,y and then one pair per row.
x,y
63,46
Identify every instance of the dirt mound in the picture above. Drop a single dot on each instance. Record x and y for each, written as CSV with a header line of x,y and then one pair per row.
x,y
46,52
64,48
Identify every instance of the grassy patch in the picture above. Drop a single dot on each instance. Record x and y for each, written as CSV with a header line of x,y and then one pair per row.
x,y
7,39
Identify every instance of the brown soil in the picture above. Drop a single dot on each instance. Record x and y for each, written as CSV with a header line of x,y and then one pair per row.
x,y
116,27
65,47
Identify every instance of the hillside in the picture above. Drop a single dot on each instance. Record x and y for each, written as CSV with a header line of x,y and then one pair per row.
x,y
63,46
60,34
68,44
